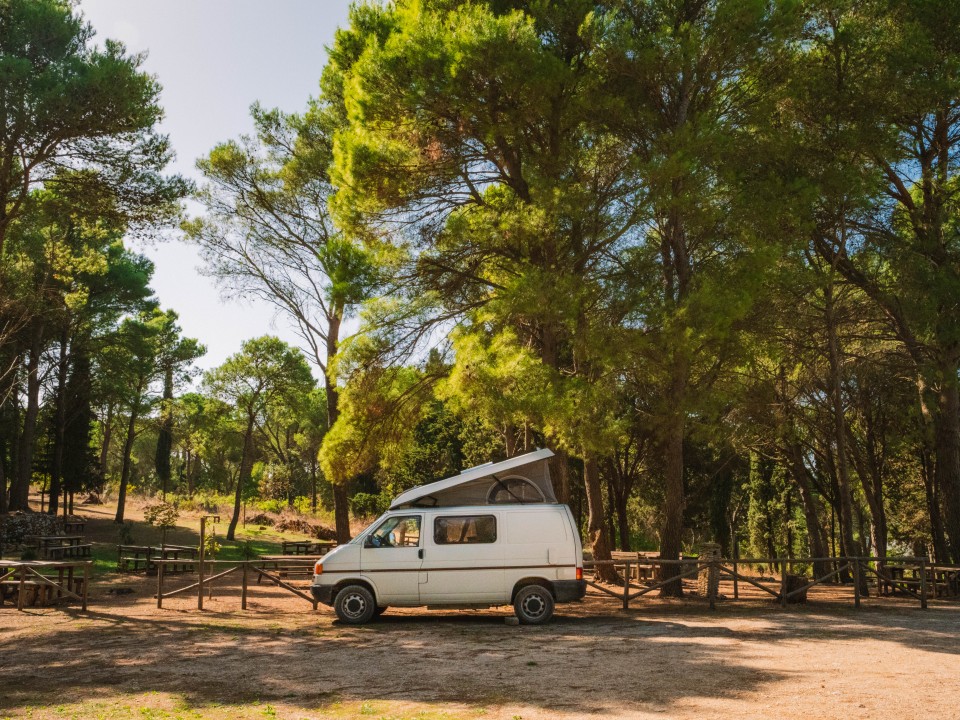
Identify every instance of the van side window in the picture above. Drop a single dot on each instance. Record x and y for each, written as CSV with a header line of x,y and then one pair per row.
x,y
398,531
465,529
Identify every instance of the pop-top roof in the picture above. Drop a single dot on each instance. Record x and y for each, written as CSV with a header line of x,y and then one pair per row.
x,y
475,485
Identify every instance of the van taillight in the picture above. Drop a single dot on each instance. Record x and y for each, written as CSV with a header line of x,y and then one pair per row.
x,y
318,568
579,573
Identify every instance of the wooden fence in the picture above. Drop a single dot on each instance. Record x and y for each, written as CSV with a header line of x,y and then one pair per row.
x,y
245,568
888,575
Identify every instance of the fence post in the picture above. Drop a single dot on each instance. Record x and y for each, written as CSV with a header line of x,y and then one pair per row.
x,y
736,583
86,585
160,566
923,583
23,587
856,582
243,586
783,583
626,586
203,523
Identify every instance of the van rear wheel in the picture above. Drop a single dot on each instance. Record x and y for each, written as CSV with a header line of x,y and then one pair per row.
x,y
533,604
355,605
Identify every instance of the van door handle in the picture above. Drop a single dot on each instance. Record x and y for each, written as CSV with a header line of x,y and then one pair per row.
x,y
420,553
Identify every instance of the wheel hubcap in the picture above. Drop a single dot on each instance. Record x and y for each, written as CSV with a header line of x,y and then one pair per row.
x,y
533,606
354,605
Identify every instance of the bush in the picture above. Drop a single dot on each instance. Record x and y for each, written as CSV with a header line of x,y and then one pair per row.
x,y
303,505
125,534
271,506
162,514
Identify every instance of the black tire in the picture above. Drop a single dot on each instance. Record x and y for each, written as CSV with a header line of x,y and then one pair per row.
x,y
533,605
355,605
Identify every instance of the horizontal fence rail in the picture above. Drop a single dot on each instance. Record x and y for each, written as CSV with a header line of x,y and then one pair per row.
x,y
888,574
269,569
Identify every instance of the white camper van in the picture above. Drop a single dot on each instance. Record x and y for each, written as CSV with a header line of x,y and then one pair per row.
x,y
493,535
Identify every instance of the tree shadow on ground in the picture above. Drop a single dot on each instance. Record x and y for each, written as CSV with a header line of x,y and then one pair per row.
x,y
655,657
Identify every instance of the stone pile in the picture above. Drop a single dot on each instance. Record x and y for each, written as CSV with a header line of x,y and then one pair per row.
x,y
708,579
15,526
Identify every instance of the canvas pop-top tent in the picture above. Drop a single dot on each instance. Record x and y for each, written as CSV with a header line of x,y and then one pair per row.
x,y
521,479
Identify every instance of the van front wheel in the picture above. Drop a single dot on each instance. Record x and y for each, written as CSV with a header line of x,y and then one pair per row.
x,y
355,605
533,605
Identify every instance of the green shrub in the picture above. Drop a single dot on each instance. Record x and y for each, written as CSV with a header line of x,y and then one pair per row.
x,y
271,506
303,505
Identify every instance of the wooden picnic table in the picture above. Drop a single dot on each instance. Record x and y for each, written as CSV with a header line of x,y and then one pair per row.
x,y
307,547
60,547
139,558
44,581
286,565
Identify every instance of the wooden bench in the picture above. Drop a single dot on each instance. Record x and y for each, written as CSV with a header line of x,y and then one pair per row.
x,y
133,558
65,552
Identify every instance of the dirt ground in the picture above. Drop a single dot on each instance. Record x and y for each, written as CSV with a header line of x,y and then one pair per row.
x,y
125,658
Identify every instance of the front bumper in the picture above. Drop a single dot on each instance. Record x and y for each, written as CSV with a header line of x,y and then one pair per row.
x,y
569,590
322,593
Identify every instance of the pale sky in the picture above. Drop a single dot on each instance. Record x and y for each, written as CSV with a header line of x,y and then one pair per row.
x,y
214,58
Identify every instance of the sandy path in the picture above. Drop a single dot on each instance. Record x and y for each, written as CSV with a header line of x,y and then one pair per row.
x,y
663,659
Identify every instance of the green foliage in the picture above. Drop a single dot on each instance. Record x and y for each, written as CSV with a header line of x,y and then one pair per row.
x,y
68,103
366,505
162,514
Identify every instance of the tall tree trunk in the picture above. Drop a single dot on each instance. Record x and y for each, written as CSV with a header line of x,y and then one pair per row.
x,y
510,439
193,469
20,487
560,475
127,452
3,477
840,431
812,509
611,515
939,536
671,533
60,420
341,503
165,434
623,521
596,532
105,442
947,467
871,480
243,477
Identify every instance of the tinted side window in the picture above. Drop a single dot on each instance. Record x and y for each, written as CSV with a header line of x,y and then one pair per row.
x,y
466,529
